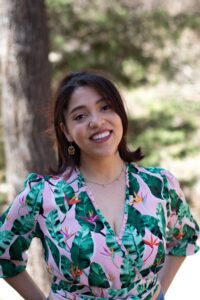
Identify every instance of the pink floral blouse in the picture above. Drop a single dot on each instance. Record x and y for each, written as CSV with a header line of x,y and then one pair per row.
x,y
84,256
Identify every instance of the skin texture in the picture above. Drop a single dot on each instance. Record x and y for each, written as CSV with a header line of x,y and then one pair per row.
x,y
94,116
25,286
168,272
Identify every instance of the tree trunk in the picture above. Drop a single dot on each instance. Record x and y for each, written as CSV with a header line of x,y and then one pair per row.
x,y
25,89
26,96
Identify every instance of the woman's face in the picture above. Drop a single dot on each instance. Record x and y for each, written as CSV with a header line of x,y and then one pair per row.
x,y
92,124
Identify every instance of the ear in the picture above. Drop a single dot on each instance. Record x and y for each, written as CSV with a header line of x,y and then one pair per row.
x,y
64,130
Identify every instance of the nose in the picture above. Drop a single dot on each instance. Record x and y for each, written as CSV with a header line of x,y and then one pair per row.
x,y
96,121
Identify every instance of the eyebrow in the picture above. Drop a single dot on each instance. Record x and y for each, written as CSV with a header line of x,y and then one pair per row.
x,y
84,106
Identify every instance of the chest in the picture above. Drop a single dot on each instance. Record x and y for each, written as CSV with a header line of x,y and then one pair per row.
x,y
111,203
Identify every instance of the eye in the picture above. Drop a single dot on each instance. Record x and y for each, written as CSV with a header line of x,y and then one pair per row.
x,y
106,106
79,117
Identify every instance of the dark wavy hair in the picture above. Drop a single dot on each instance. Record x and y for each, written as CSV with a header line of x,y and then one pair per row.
x,y
107,90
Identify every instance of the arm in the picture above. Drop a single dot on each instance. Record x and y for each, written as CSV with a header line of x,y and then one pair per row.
x,y
25,286
169,270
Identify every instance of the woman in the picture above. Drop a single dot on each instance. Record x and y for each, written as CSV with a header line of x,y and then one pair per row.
x,y
106,224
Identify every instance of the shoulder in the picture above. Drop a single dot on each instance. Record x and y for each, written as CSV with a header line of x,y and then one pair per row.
x,y
52,183
151,171
157,177
154,171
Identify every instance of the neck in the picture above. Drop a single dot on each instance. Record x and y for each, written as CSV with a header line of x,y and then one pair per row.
x,y
102,170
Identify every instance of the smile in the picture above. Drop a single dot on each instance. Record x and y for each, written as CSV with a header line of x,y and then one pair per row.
x,y
103,136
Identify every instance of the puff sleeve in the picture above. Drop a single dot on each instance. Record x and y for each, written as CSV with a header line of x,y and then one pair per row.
x,y
18,227
182,230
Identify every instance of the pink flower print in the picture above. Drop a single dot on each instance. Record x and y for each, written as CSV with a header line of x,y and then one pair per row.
x,y
92,219
67,235
110,253
23,202
107,252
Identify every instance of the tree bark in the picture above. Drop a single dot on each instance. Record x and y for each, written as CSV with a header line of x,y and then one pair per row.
x,y
26,96
25,90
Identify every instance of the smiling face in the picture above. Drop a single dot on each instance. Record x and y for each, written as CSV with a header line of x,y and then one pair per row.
x,y
92,124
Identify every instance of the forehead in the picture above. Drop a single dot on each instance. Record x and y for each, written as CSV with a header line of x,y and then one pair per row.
x,y
83,95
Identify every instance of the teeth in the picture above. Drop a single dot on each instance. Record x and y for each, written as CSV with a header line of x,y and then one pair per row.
x,y
101,135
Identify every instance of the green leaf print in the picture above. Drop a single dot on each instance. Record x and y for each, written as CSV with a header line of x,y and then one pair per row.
x,y
142,288
111,242
82,248
54,227
127,272
23,224
165,191
53,222
66,267
5,240
161,218
135,219
154,183
9,269
152,224
188,232
133,242
64,285
34,197
45,249
171,233
60,199
54,251
86,214
133,185
180,249
175,200
3,216
159,259
18,247
33,177
97,276
184,212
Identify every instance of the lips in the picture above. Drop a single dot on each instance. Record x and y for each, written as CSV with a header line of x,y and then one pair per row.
x,y
101,136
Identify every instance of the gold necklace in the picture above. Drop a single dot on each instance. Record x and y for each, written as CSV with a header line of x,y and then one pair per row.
x,y
109,183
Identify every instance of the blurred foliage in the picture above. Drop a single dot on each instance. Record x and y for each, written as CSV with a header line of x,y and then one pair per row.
x,y
112,36
169,128
3,200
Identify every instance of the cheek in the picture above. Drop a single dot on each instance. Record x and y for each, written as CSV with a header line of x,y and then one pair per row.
x,y
77,133
119,125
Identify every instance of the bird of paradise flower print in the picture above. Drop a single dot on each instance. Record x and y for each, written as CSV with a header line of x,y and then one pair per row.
x,y
111,253
135,199
72,201
91,219
152,243
84,256
75,272
67,235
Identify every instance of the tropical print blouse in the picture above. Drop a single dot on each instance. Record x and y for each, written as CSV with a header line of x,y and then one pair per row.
x,y
83,254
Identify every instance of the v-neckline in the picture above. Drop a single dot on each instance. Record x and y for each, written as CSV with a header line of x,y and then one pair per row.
x,y
99,211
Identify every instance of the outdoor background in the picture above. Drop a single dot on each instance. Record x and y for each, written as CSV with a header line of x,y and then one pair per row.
x,y
150,49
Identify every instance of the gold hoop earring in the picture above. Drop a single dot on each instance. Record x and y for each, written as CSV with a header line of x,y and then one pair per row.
x,y
71,150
